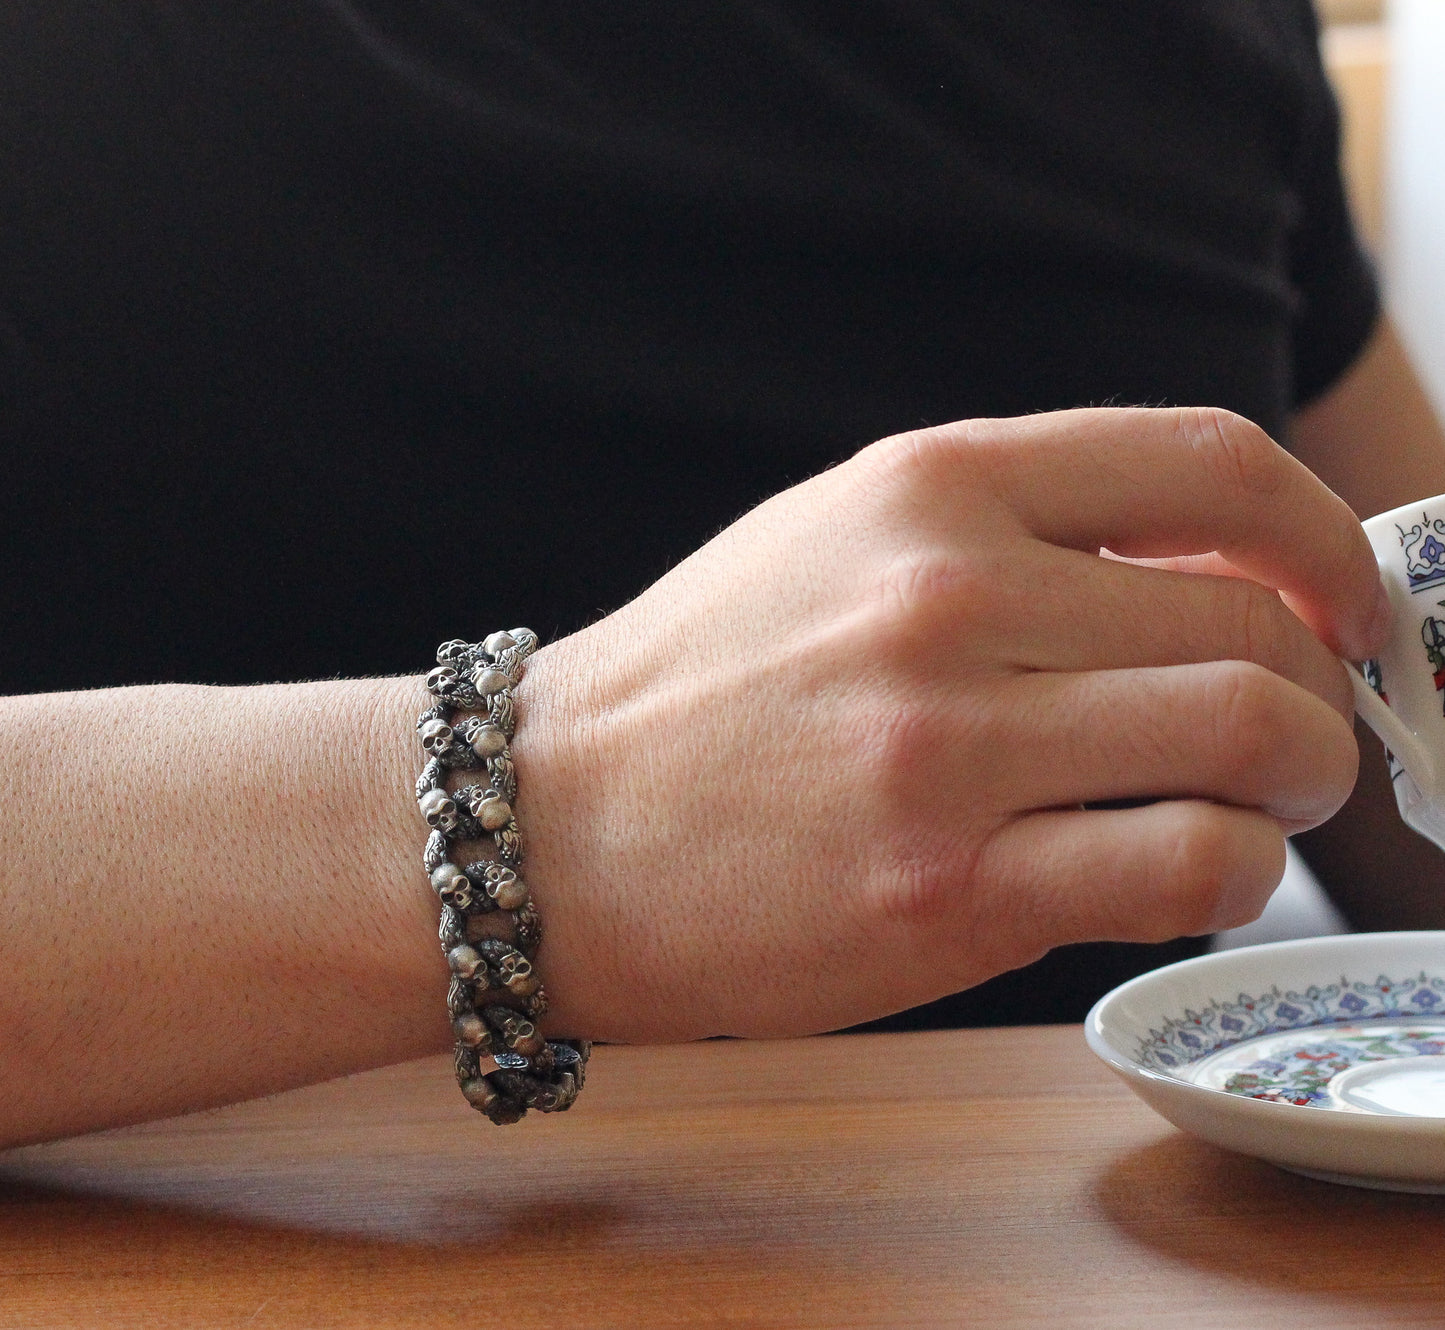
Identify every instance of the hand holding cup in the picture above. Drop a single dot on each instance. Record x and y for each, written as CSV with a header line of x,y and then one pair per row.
x,y
836,763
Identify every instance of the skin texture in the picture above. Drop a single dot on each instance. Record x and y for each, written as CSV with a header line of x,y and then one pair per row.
x,y
209,893
1375,440
829,767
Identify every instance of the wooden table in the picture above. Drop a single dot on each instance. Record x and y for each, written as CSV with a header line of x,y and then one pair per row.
x,y
984,1178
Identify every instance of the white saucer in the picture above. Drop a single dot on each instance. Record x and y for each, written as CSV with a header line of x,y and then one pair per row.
x,y
1406,1087
1325,1056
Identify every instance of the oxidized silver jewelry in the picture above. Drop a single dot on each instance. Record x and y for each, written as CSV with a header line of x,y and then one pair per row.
x,y
495,998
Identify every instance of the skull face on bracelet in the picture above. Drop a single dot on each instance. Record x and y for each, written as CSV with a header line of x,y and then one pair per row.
x,y
440,811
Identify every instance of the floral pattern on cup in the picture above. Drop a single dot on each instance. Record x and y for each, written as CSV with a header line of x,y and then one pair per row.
x,y
1196,1034
1432,634
1424,551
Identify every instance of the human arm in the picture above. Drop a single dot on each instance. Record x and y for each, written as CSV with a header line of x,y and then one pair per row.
x,y
1374,437
1375,440
829,767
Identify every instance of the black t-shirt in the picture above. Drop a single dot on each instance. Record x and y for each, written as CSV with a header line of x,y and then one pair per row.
x,y
330,329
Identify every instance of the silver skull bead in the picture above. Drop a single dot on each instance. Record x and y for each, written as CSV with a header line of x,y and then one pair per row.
x,y
487,679
471,1031
440,811
486,740
453,886
520,1035
436,737
504,886
491,810
442,679
465,961
517,974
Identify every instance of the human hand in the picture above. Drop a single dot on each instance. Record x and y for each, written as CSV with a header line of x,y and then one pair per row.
x,y
831,766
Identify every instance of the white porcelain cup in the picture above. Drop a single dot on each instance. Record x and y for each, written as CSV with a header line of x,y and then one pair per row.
x,y
1402,694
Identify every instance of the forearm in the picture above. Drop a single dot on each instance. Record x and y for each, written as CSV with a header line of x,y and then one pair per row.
x,y
208,894
1374,438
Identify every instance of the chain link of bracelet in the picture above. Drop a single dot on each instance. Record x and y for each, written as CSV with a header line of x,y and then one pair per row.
x,y
495,998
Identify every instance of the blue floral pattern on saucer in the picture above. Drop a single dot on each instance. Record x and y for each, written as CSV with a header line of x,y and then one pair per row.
x,y
1197,1034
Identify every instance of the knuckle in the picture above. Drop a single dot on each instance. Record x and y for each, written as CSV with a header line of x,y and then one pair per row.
x,y
894,468
1251,623
920,849
1335,766
897,766
922,450
1242,697
913,889
925,877
1201,861
905,469
918,589
1234,450
1279,747
1257,618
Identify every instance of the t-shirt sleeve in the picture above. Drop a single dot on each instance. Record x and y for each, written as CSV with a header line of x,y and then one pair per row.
x,y
1339,298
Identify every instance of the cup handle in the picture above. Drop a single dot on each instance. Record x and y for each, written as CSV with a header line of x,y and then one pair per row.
x,y
1397,737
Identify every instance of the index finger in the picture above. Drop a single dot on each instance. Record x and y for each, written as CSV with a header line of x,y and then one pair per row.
x,y
1160,482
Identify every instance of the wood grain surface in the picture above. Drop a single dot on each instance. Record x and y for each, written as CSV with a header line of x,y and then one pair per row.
x,y
979,1178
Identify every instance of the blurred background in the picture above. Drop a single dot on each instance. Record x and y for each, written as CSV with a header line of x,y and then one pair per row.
x,y
1387,60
